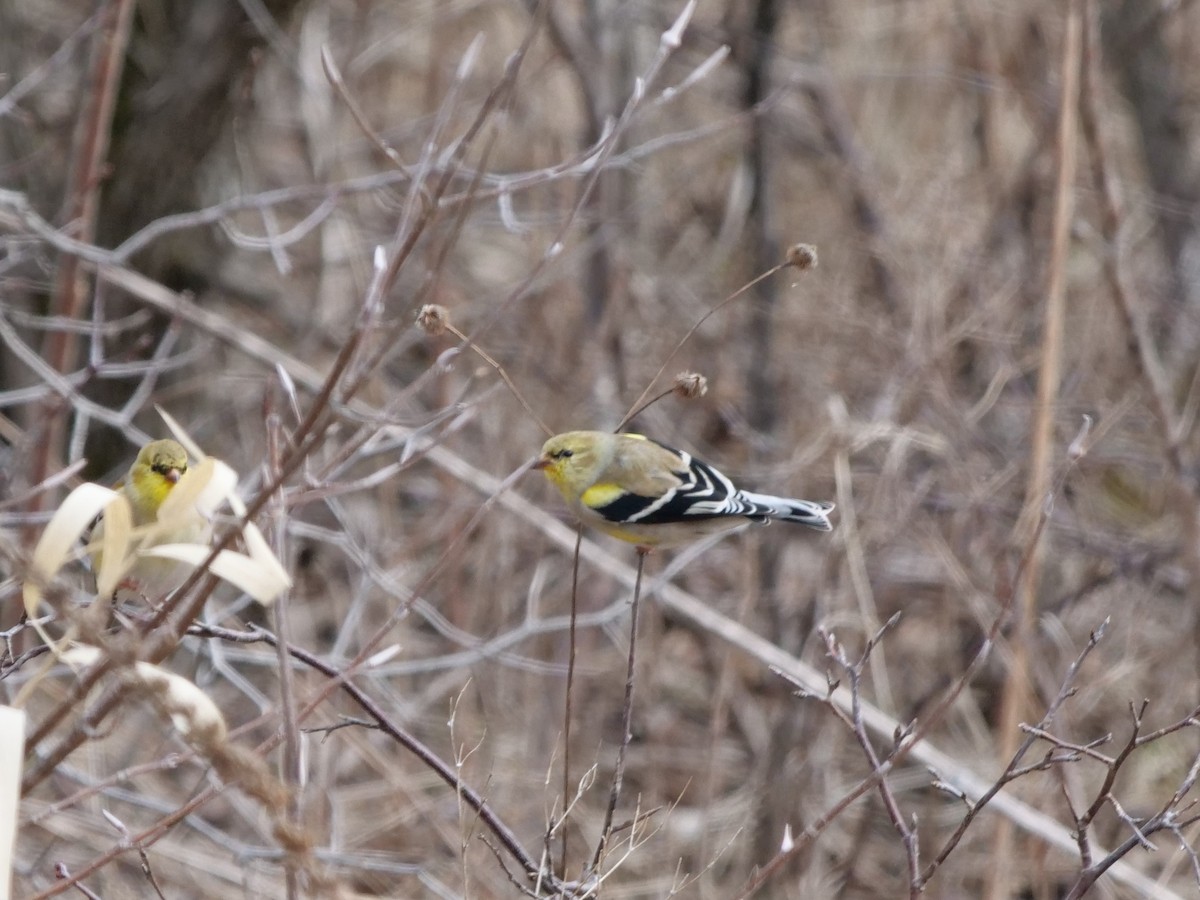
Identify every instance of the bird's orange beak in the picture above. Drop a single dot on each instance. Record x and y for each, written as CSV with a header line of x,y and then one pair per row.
x,y
173,475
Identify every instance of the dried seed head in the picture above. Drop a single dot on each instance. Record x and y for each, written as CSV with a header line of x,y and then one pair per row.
x,y
802,256
433,319
690,385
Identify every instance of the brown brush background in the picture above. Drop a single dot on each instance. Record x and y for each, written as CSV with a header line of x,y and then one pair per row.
x,y
917,144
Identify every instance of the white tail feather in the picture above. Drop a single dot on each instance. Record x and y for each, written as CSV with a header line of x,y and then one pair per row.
x,y
805,512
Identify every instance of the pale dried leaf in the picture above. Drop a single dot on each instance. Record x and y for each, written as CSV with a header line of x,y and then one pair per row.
x,y
60,538
115,535
192,712
12,752
203,488
236,504
220,488
261,552
180,503
262,582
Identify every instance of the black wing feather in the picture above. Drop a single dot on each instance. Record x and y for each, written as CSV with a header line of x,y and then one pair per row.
x,y
626,508
704,493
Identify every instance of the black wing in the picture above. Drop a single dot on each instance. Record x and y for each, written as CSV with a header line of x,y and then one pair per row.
x,y
704,493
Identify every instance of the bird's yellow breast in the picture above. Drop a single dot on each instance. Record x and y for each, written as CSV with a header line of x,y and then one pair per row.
x,y
600,495
149,490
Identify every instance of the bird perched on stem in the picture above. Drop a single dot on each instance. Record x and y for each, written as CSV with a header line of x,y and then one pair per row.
x,y
652,495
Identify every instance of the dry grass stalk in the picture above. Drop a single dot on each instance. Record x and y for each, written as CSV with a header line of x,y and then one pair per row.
x,y
1018,688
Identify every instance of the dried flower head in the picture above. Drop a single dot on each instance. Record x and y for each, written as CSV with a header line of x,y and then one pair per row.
x,y
802,256
690,385
433,318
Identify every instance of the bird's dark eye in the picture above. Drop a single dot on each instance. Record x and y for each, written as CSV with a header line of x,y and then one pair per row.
x,y
562,454
164,468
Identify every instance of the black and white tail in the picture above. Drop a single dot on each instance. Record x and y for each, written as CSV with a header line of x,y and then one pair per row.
x,y
804,512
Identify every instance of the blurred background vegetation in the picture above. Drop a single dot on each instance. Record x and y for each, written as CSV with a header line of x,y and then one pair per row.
x,y
577,194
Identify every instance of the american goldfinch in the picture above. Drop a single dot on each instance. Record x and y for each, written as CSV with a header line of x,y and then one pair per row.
x,y
644,492
157,469
155,472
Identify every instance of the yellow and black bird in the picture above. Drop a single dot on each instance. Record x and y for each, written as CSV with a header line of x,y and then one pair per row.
x,y
652,495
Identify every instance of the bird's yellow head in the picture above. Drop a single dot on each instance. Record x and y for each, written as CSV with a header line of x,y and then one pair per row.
x,y
157,469
571,460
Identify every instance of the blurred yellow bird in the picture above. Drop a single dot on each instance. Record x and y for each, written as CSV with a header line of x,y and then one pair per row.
x,y
652,495
153,475
157,469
